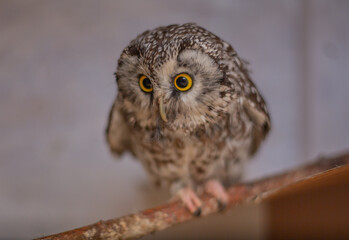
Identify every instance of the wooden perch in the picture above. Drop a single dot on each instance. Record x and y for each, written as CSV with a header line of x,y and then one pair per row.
x,y
159,218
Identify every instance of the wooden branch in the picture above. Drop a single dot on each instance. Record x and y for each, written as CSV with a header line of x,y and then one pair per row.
x,y
159,218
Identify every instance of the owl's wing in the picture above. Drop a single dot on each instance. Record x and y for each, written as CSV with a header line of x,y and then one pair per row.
x,y
117,131
255,108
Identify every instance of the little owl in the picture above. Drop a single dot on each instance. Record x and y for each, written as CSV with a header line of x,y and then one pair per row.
x,y
188,110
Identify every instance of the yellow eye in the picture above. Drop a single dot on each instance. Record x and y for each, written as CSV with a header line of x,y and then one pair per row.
x,y
183,82
145,84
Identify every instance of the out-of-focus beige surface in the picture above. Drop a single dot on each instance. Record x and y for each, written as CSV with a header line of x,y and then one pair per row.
x,y
57,60
316,208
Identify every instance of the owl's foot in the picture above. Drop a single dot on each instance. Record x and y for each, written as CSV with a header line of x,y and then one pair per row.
x,y
190,200
215,188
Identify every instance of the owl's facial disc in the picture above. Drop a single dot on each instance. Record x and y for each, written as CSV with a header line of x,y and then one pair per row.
x,y
183,92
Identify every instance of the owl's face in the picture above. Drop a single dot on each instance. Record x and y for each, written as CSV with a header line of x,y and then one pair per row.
x,y
163,79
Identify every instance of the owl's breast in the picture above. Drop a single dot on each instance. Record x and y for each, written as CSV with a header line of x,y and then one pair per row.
x,y
165,156
175,155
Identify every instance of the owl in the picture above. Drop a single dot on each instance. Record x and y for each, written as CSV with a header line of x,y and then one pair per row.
x,y
188,110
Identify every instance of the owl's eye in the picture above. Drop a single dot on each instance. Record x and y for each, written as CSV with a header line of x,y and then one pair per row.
x,y
183,82
145,84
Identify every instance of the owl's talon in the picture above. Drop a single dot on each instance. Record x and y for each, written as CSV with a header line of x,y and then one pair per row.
x,y
190,200
221,205
197,212
215,188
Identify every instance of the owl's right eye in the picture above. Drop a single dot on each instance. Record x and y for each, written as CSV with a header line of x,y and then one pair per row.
x,y
145,84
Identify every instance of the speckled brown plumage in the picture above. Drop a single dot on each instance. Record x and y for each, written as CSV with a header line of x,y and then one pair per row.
x,y
212,129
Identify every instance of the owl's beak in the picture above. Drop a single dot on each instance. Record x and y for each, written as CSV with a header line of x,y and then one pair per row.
x,y
162,110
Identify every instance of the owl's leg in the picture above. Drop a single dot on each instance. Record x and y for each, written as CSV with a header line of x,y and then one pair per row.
x,y
216,189
188,196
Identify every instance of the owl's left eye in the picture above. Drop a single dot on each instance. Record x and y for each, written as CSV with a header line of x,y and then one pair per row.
x,y
145,84
183,82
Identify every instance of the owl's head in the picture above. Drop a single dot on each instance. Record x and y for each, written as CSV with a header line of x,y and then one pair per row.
x,y
175,76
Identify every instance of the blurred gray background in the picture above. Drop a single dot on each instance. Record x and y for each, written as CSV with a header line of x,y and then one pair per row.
x,y
57,60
